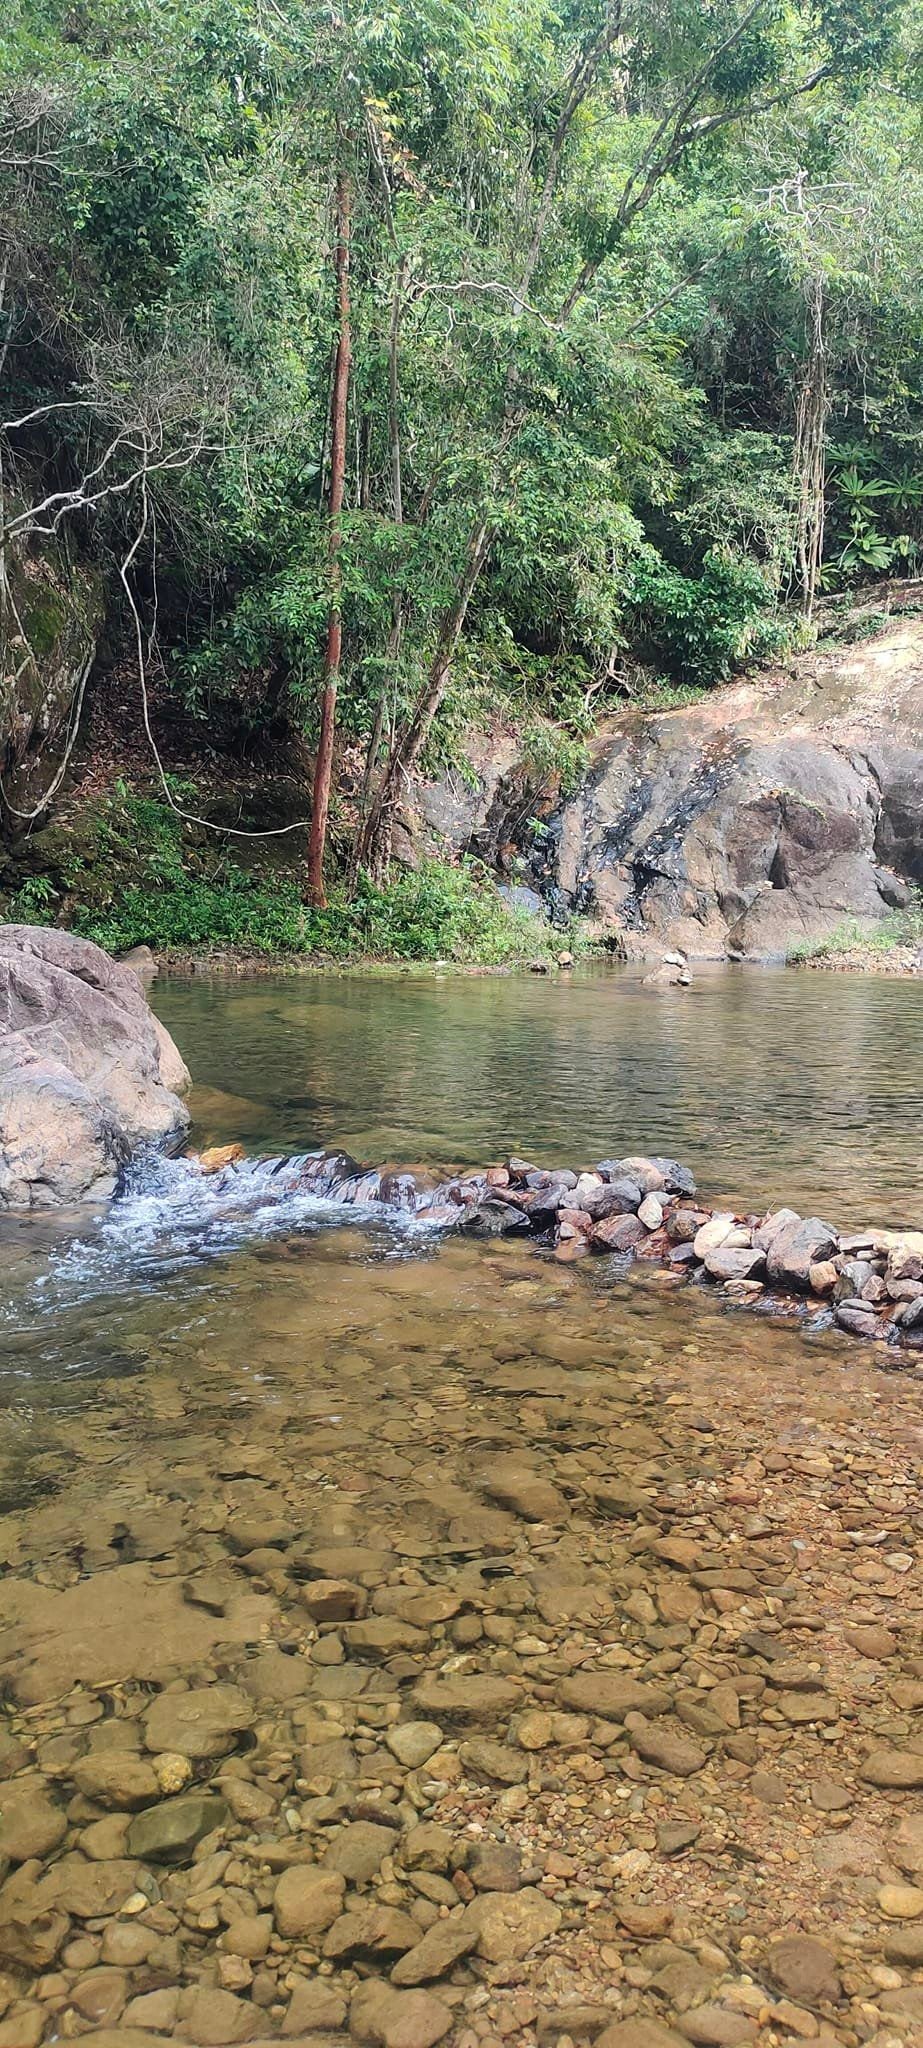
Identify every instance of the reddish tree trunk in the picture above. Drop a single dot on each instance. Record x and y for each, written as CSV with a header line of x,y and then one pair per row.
x,y
338,405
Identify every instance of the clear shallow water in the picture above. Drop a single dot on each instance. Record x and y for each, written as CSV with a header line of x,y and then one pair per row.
x,y
199,1370
772,1085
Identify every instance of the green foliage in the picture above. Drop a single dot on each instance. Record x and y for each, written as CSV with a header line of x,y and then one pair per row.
x,y
437,913
151,881
440,913
621,419
736,494
899,929
700,628
33,902
867,509
554,757
190,912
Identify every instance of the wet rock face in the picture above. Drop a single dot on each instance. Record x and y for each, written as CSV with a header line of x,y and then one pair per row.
x,y
764,814
746,841
87,1074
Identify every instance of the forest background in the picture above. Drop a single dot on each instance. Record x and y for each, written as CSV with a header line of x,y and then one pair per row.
x,y
370,373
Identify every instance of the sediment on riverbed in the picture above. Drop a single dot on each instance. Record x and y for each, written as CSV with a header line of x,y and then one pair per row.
x,y
868,1282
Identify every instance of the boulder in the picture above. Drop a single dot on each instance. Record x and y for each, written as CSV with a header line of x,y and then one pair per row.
x,y
616,1234
611,1695
31,1824
380,2017
764,813
169,1833
465,1698
204,1722
794,1246
730,1262
307,1901
88,1076
142,963
508,1924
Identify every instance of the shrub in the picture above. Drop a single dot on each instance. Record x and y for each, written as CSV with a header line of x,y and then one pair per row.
x,y
701,628
438,913
149,880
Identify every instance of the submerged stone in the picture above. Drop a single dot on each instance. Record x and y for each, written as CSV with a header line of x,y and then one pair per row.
x,y
168,1833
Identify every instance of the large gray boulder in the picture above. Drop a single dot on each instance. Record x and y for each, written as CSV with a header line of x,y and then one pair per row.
x,y
88,1076
765,813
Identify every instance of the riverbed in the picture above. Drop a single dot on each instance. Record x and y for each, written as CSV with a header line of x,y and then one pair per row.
x,y
390,1621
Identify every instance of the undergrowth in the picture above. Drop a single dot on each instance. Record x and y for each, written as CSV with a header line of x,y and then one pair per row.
x,y
141,878
900,928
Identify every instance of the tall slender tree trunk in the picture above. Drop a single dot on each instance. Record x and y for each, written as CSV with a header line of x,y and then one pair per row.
x,y
338,409
406,750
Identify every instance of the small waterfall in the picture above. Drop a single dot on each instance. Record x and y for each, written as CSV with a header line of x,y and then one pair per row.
x,y
170,1217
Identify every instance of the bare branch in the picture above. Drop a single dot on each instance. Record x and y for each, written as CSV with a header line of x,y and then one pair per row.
x,y
489,285
41,411
678,114
583,76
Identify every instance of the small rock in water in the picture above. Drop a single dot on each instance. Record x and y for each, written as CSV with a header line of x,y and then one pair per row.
x,y
173,1773
201,1723
170,1832
901,1901
508,1925
307,1901
673,972
381,2017
414,1742
895,1770
805,1970
217,1156
31,1824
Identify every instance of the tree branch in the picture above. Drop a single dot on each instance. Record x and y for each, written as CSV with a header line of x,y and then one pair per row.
x,y
582,78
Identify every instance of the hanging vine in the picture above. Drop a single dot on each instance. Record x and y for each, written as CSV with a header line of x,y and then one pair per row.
x,y
812,412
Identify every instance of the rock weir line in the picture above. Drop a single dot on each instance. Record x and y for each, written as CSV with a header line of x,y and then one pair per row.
x,y
869,1283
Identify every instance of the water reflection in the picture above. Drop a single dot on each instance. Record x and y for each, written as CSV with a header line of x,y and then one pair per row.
x,y
772,1085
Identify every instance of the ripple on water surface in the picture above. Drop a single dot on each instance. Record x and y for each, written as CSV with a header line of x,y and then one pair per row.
x,y
773,1085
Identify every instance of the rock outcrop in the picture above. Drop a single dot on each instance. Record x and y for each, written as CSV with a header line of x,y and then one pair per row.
x,y
764,814
869,1283
87,1074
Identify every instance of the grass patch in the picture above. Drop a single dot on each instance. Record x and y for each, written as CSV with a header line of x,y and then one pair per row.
x,y
144,879
900,928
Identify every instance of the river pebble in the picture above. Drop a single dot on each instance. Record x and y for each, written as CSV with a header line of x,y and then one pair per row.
x,y
526,1664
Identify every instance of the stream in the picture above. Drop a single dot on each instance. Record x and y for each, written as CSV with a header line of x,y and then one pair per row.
x,y
350,1573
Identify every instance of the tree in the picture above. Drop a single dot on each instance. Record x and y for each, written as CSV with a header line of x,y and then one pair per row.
x,y
570,325
724,77
334,648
